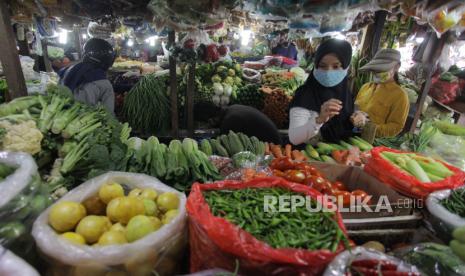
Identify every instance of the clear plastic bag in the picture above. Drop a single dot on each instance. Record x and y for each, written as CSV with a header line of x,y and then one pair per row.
x,y
157,252
449,148
12,265
448,221
432,259
444,18
22,197
340,264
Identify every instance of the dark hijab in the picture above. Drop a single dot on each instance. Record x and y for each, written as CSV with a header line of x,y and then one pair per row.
x,y
311,95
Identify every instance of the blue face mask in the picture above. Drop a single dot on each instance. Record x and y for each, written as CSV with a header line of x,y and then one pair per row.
x,y
329,78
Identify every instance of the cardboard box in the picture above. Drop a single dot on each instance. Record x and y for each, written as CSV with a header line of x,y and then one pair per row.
x,y
355,178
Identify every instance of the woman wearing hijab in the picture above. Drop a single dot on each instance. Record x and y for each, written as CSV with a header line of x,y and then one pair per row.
x,y
87,79
324,105
384,100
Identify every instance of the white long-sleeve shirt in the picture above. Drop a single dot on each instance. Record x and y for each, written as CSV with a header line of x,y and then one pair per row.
x,y
302,125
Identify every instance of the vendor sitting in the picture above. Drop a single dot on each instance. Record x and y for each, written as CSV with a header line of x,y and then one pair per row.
x,y
385,102
238,118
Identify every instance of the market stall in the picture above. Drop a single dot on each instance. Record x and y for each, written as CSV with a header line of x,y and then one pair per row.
x,y
155,189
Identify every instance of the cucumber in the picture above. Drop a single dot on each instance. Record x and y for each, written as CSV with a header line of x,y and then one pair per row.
x,y
311,152
324,148
245,140
224,141
345,144
328,159
235,143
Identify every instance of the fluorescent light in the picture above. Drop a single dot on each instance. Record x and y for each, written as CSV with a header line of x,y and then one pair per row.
x,y
340,36
245,35
130,43
236,36
84,36
151,40
419,40
63,36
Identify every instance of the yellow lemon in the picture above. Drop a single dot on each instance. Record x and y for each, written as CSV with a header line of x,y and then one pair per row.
x,y
74,237
135,192
65,215
149,194
150,207
169,216
118,227
168,201
112,237
138,227
92,227
110,191
122,209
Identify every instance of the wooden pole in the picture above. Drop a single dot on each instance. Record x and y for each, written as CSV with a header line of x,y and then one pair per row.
x,y
9,56
173,90
77,40
48,65
190,100
430,58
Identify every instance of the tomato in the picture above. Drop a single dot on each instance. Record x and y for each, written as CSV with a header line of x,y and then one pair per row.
x,y
295,176
278,173
338,185
282,164
344,196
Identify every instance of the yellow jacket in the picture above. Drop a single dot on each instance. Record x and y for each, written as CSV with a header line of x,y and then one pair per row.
x,y
387,105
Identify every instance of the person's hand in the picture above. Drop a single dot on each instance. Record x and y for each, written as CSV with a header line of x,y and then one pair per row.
x,y
328,110
359,118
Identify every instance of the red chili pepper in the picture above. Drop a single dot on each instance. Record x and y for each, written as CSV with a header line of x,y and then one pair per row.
x,y
381,264
365,271
278,173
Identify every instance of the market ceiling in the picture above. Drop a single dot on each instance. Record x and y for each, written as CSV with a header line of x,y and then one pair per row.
x,y
319,15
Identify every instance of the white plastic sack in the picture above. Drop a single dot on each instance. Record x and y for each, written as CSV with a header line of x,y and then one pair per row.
x,y
12,265
339,265
158,251
450,220
16,182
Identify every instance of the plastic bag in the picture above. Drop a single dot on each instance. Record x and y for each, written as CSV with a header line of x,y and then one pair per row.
x,y
386,172
339,265
444,19
443,91
158,251
448,148
251,75
448,219
216,243
22,197
432,259
12,265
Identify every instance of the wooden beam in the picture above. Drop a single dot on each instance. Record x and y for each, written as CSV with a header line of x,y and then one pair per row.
x,y
173,90
190,100
430,58
48,65
9,56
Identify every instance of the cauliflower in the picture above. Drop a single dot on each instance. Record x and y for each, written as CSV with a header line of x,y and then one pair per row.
x,y
21,136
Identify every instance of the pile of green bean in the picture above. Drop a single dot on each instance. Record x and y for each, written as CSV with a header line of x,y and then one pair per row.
x,y
299,229
455,203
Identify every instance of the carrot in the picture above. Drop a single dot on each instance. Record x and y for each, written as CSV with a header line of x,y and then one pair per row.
x,y
288,150
276,150
298,156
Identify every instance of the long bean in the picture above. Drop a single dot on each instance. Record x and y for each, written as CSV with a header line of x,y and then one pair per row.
x,y
299,229
455,203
